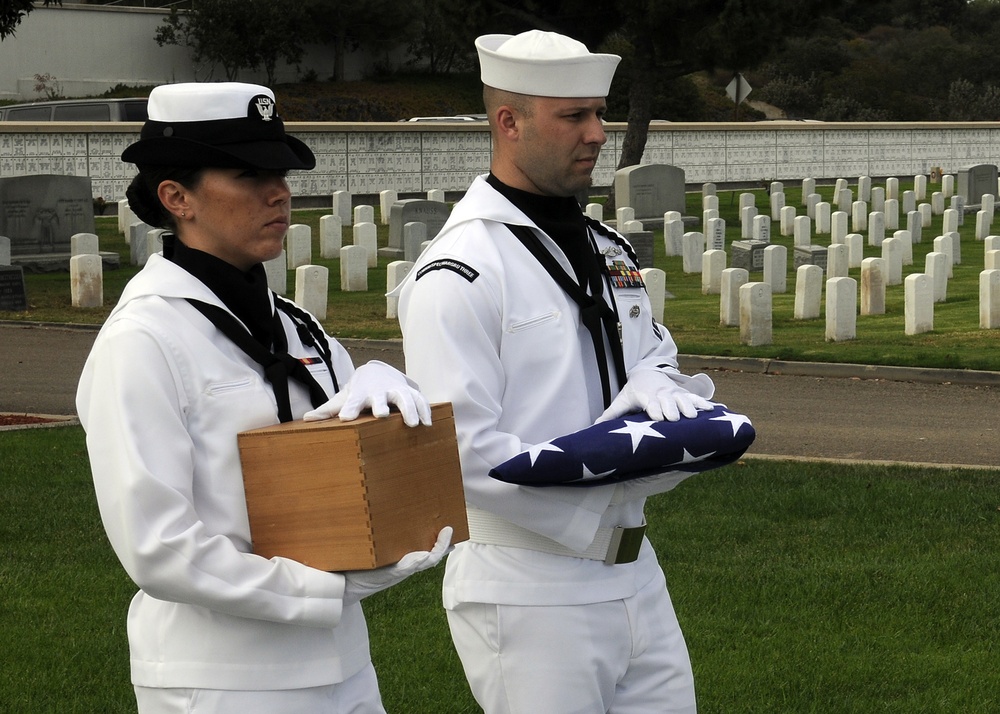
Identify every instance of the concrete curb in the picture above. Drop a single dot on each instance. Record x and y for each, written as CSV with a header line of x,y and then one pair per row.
x,y
695,363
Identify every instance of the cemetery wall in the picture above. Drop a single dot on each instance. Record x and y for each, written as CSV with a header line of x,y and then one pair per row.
x,y
414,158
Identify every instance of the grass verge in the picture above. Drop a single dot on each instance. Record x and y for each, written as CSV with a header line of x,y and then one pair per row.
x,y
801,588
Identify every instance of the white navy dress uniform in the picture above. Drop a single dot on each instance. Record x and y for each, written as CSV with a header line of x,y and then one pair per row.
x,y
541,622
161,397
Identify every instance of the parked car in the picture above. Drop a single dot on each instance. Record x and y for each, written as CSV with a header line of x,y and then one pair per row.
x,y
131,109
456,118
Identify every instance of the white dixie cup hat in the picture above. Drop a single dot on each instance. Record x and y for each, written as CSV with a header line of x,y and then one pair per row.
x,y
544,64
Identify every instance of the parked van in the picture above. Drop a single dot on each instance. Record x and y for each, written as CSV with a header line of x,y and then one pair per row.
x,y
86,110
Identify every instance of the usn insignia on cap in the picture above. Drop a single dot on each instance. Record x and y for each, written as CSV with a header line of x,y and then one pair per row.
x,y
264,106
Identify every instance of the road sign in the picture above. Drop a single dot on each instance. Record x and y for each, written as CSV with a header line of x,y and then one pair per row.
x,y
739,89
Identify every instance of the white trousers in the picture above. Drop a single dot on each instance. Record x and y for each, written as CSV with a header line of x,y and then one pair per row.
x,y
619,657
357,695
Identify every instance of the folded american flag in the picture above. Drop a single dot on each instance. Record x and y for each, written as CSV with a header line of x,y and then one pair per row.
x,y
630,448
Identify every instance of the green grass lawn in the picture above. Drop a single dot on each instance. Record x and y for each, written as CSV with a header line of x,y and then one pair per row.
x,y
693,318
800,588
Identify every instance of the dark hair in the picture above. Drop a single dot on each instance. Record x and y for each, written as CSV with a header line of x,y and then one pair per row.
x,y
142,192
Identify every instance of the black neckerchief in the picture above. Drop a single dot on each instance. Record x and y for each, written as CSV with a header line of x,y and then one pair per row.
x,y
245,293
562,220
564,216
247,296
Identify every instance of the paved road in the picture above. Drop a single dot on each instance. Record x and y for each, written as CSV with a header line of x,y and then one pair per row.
x,y
799,410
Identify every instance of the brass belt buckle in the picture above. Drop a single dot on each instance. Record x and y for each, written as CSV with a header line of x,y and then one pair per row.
x,y
625,545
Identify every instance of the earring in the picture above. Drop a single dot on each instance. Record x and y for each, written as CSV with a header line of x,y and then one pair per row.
x,y
183,214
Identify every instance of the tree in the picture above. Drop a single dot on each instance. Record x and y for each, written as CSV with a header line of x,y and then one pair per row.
x,y
11,14
237,34
351,24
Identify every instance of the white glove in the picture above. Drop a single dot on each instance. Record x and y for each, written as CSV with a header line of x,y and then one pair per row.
x,y
375,385
656,394
362,583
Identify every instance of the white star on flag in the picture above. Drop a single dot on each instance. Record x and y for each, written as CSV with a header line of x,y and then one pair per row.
x,y
736,420
638,430
533,452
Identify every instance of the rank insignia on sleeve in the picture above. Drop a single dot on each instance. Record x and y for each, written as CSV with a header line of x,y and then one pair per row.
x,y
624,275
456,266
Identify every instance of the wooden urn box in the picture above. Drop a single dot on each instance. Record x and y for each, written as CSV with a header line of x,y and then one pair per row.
x,y
352,495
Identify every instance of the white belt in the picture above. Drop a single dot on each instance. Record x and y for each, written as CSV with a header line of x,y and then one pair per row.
x,y
611,545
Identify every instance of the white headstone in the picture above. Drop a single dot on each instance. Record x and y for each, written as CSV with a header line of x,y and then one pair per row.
x,y
364,214
855,243
803,231
991,243
873,286
878,199
905,248
86,280
276,270
944,244
761,229
395,272
708,189
859,217
841,309
892,188
822,217
836,261
991,260
137,242
342,204
673,232
414,236
936,269
631,227
707,215
437,194
811,200
865,188
366,236
624,214
920,186
788,220
777,203
918,304
710,202
776,268
982,224
595,211
926,216
312,289
299,245
989,299
876,228
331,236
84,244
713,262
891,210
715,234
154,241
892,253
747,200
692,247
937,203
950,221
808,291
808,188
948,185
838,226
747,214
755,314
353,268
909,202
385,200
655,281
915,225
729,302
